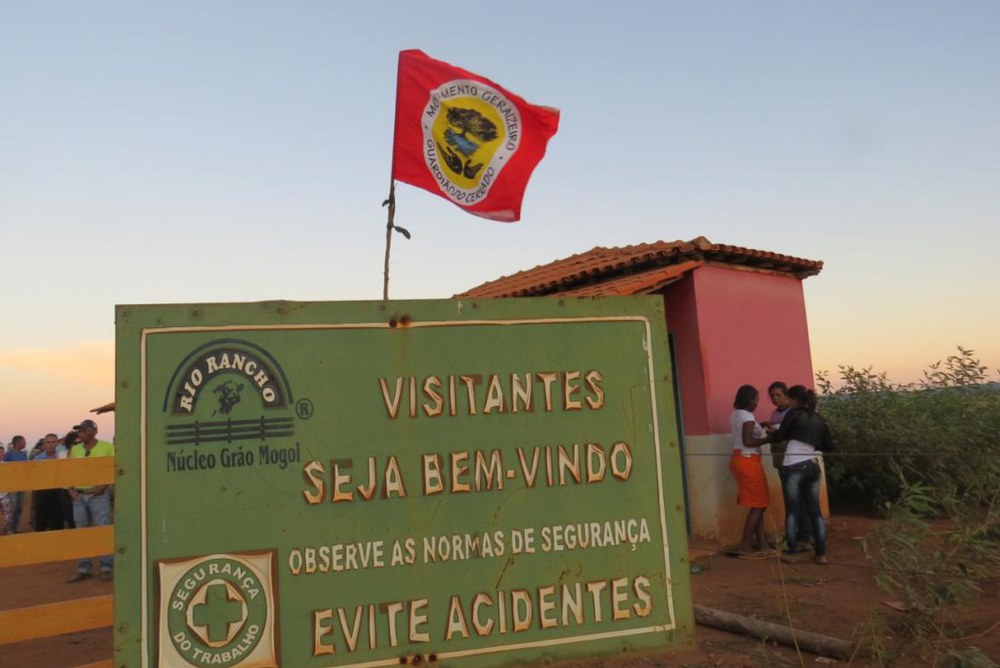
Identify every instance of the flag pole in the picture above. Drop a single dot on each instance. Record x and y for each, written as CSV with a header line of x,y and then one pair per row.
x,y
391,203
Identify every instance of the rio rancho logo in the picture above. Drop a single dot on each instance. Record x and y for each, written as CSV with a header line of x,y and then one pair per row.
x,y
471,130
218,610
224,370
233,397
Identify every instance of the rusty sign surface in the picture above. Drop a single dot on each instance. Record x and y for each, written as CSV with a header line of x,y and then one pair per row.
x,y
376,483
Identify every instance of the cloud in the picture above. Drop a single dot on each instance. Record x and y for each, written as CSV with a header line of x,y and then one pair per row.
x,y
86,362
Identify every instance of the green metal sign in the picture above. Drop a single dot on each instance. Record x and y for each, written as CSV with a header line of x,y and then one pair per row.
x,y
376,483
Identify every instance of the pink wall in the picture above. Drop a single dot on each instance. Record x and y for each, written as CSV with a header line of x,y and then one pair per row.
x,y
733,327
682,322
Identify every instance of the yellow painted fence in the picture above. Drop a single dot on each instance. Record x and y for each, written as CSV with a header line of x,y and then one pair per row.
x,y
19,624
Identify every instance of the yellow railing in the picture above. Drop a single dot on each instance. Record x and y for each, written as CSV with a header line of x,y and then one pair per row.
x,y
42,621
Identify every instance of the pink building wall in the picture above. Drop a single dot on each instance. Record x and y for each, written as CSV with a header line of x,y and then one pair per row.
x,y
682,323
733,327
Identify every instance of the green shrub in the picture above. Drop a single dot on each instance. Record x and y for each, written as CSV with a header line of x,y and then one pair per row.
x,y
913,453
942,433
934,569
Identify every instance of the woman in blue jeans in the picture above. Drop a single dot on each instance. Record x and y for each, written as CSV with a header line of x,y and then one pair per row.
x,y
804,430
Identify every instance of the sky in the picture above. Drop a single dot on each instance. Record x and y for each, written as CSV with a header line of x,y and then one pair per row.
x,y
240,151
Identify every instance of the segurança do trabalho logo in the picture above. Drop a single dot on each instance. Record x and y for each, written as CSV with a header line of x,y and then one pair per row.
x,y
218,610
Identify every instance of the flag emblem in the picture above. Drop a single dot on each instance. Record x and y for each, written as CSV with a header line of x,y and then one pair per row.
x,y
471,131
463,137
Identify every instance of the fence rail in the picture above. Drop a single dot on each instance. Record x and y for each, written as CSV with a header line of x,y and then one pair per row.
x,y
42,621
25,549
26,476
52,619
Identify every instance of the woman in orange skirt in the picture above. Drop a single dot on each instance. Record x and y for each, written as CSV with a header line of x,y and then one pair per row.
x,y
746,467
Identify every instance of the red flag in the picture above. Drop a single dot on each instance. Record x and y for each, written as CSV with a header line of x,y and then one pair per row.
x,y
461,136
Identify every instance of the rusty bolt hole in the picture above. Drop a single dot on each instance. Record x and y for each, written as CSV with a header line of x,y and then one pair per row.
x,y
417,659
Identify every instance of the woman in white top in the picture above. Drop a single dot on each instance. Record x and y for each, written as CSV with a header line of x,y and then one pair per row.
x,y
746,467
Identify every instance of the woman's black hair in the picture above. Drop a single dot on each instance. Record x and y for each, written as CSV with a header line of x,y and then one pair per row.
x,y
805,398
745,396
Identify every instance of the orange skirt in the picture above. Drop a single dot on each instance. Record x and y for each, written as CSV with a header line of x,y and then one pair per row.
x,y
750,479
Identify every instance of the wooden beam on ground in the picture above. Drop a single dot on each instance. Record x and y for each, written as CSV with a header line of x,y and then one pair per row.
x,y
24,549
55,473
814,643
53,619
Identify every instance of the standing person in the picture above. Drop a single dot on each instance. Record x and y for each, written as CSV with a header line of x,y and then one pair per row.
x,y
804,430
46,504
748,471
91,505
16,453
68,441
778,393
5,515
33,518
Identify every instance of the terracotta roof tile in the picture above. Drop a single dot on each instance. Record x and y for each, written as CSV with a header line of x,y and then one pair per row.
x,y
634,269
635,284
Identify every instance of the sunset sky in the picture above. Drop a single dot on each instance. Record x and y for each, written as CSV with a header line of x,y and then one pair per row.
x,y
239,151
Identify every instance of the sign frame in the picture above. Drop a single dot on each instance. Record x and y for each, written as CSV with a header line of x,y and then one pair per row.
x,y
137,326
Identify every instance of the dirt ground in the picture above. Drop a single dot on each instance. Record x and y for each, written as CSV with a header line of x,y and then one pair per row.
x,y
839,600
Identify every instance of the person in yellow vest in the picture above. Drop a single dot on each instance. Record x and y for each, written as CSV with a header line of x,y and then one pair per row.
x,y
91,504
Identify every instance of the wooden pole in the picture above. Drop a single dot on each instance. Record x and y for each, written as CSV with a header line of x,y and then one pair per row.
x,y
814,643
388,237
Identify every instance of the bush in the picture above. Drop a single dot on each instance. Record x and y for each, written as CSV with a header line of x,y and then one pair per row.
x,y
932,568
912,453
942,433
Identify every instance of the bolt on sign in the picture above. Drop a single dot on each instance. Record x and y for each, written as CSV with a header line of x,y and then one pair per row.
x,y
383,483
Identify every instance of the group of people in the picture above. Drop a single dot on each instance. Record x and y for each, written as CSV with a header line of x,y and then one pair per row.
x,y
797,435
54,509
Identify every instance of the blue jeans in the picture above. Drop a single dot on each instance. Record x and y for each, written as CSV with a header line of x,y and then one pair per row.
x,y
16,506
90,510
800,483
803,522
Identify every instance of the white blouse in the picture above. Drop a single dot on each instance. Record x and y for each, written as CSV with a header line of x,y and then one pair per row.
x,y
736,422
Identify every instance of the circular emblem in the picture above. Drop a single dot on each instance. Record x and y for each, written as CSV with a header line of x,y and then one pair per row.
x,y
304,409
471,130
217,612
